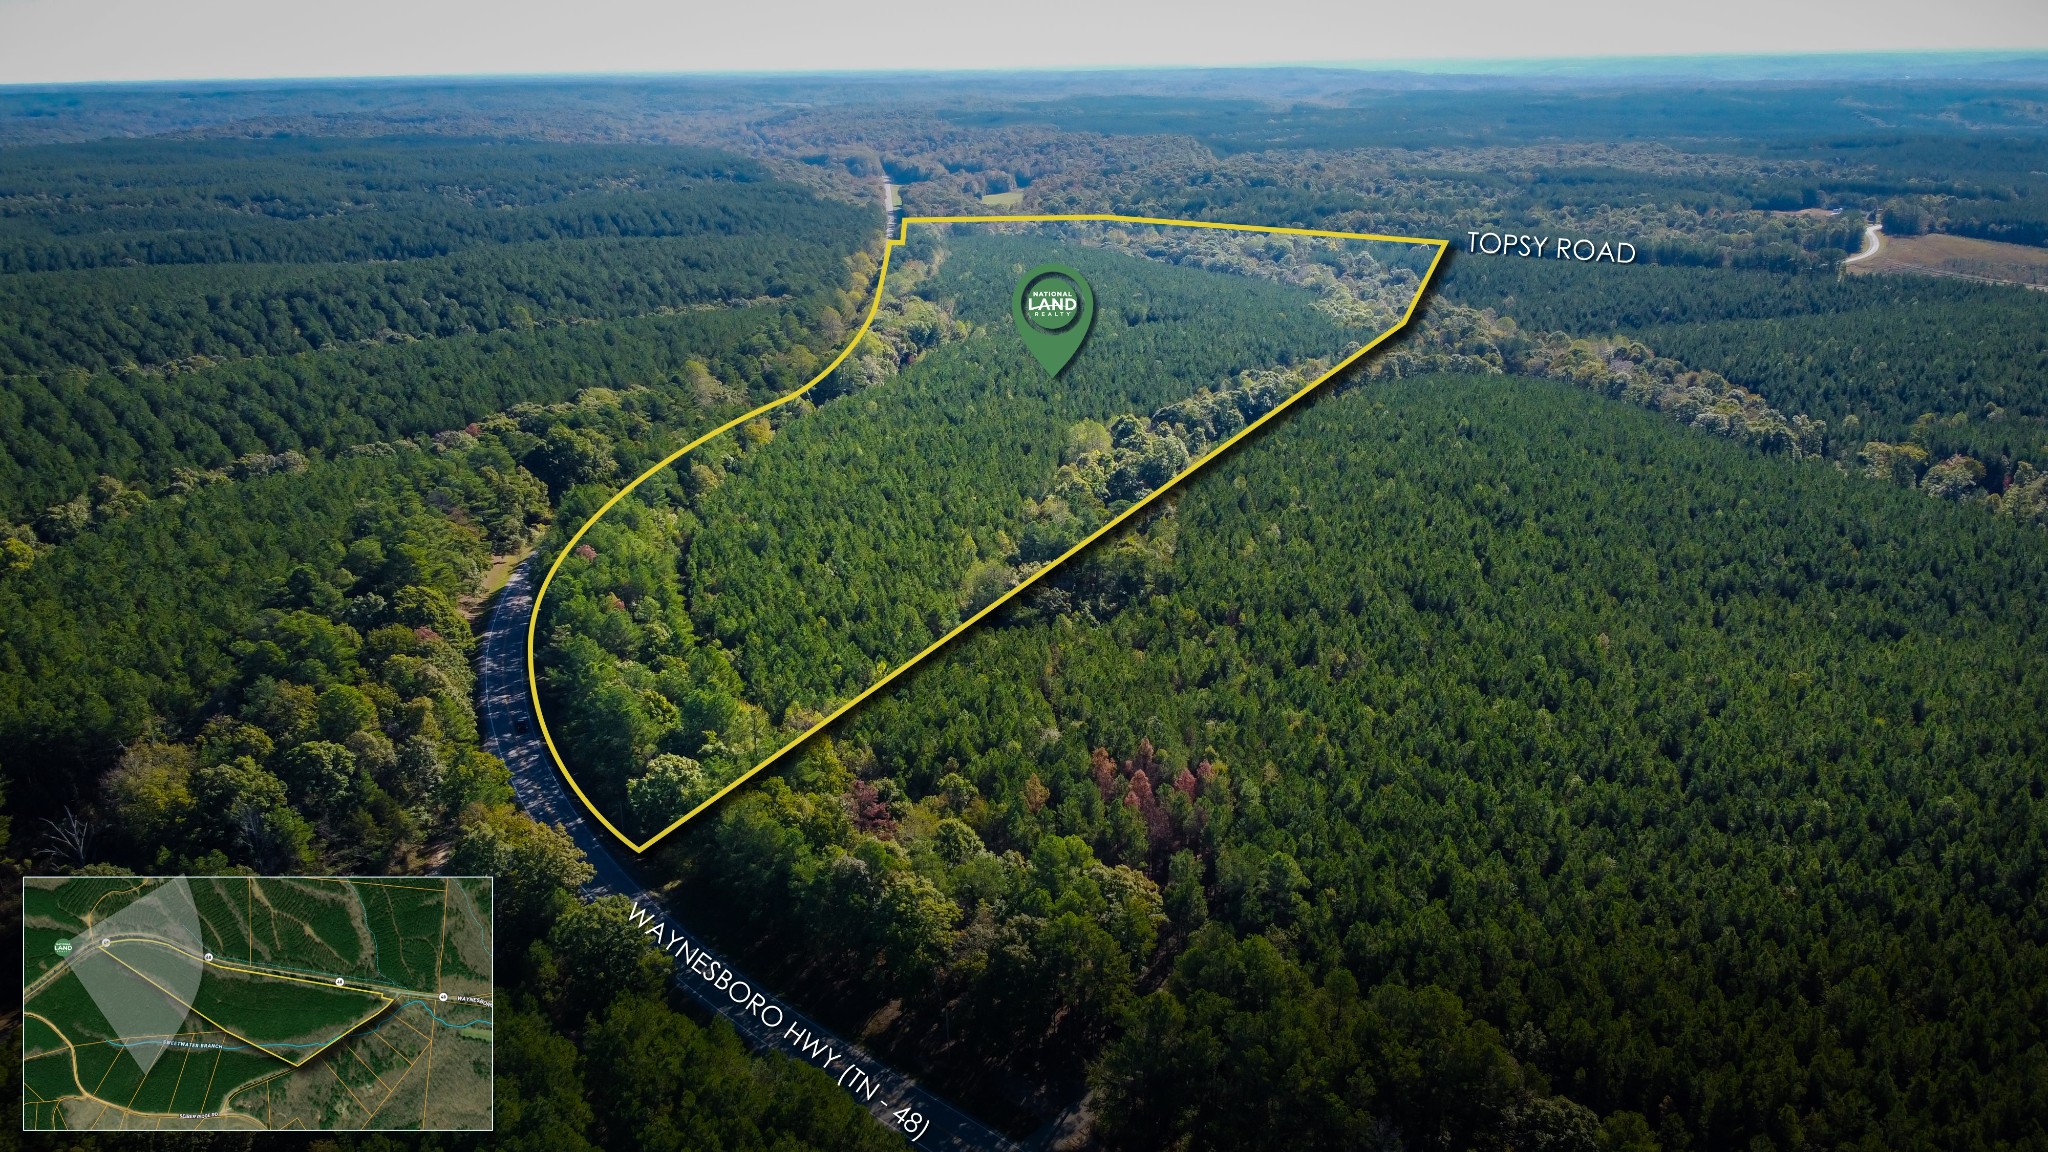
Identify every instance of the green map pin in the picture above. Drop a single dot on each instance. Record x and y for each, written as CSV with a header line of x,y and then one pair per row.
x,y
1053,308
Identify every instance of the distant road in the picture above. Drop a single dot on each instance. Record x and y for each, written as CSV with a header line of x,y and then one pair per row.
x,y
1873,243
507,720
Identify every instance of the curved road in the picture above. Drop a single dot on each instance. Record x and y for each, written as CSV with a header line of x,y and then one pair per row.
x,y
897,1100
1873,243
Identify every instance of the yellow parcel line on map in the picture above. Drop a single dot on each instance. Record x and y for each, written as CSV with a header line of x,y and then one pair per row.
x,y
71,1048
51,974
257,1044
348,881
380,988
874,305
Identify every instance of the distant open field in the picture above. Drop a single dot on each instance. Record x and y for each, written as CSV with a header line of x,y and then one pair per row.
x,y
1939,255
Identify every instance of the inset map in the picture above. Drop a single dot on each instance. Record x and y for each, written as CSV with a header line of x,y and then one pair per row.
x,y
257,1003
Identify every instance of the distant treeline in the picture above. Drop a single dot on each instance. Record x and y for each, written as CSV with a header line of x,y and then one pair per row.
x,y
308,295
120,203
1725,116
149,317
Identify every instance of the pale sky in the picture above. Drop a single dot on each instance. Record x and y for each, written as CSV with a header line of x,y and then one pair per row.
x,y
43,41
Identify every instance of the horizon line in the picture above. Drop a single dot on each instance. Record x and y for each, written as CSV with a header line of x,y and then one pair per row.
x,y
1485,67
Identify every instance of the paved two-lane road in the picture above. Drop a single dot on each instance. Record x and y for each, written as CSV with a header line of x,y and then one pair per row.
x,y
509,733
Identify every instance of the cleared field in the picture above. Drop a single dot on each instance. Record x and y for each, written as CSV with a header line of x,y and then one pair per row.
x,y
1003,199
1962,256
380,1079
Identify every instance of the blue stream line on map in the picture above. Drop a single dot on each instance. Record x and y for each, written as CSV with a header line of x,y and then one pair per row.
x,y
282,1044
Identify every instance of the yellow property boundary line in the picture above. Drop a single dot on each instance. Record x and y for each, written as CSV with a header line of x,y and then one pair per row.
x,y
257,1044
874,305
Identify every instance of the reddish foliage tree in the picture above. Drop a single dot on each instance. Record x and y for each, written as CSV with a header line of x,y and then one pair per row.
x,y
870,814
1104,770
1158,825
1141,787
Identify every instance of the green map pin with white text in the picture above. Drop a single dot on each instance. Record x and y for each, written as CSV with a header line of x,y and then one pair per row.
x,y
1053,308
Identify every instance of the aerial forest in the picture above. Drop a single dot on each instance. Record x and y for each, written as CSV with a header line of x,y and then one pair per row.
x,y
1607,718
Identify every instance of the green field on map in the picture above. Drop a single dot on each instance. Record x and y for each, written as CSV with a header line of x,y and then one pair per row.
x,y
257,1003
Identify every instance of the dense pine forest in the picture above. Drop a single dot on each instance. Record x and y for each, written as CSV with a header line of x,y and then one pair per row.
x,y
240,637
1074,843
1476,741
262,298
1607,720
119,203
288,247
764,581
1881,351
